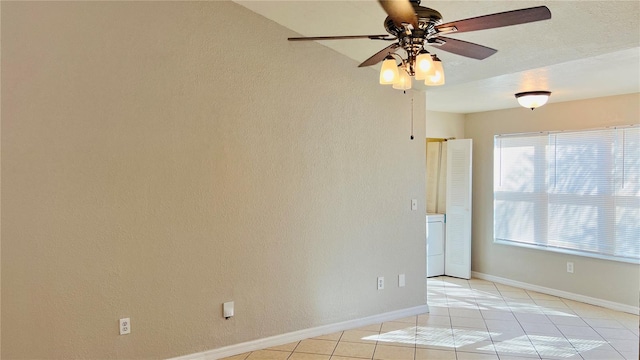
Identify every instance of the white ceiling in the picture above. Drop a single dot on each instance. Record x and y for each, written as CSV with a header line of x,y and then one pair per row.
x,y
588,48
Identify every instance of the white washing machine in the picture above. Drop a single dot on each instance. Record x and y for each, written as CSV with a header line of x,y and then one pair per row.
x,y
435,244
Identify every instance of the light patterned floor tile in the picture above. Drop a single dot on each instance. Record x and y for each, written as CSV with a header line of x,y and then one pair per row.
x,y
484,347
466,313
567,320
533,318
312,346
425,320
610,334
497,315
475,356
305,356
631,355
474,323
518,357
625,346
360,336
605,323
601,355
503,325
268,355
394,326
387,352
432,354
541,328
438,310
554,304
578,331
354,350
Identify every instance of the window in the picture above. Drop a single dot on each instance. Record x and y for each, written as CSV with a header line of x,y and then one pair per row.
x,y
576,192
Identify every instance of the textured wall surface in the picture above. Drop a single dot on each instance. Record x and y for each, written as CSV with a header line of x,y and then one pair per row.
x,y
444,125
161,158
602,279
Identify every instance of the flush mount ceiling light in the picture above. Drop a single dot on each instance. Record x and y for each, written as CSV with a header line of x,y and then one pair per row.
x,y
533,99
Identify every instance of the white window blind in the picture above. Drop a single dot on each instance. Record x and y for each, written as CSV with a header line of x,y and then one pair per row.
x,y
575,191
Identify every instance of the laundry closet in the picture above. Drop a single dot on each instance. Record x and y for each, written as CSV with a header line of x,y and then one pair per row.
x,y
448,218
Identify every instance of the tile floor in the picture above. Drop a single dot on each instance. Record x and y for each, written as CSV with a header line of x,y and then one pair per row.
x,y
477,319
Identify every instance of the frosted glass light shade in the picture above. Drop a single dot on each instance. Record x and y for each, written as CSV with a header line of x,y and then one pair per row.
x,y
404,81
438,78
533,99
389,73
424,66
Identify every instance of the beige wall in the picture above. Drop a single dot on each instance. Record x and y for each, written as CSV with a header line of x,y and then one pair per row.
x,y
608,280
160,158
444,125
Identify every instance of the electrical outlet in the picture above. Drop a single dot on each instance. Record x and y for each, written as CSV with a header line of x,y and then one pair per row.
x,y
569,267
401,281
380,283
125,326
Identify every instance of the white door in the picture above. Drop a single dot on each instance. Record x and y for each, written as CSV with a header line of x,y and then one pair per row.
x,y
458,238
435,245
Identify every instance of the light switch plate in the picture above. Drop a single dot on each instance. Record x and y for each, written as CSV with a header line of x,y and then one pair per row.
x,y
228,309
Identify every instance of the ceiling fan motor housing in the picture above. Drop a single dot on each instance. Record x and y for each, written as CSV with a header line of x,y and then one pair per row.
x,y
413,40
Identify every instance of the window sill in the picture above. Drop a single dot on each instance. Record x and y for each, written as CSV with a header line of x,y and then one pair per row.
x,y
567,251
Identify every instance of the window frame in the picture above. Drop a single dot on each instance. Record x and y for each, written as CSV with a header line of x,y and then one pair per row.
x,y
543,196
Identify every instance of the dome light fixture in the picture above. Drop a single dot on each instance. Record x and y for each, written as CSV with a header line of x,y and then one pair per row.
x,y
533,99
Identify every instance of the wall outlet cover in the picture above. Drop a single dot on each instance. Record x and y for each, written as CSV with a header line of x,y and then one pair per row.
x,y
570,267
125,326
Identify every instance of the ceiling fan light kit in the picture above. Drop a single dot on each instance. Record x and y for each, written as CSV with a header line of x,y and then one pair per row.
x,y
389,73
412,27
404,80
533,99
424,65
437,78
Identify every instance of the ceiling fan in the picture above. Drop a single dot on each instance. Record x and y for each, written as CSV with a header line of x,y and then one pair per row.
x,y
412,27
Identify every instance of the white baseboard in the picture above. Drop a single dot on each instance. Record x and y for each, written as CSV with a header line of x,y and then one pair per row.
x,y
563,294
302,334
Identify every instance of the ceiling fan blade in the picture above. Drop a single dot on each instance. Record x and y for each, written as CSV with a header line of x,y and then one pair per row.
x,y
380,55
400,11
506,18
464,48
347,37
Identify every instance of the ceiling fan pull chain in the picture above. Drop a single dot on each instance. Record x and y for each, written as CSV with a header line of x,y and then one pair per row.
x,y
411,116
